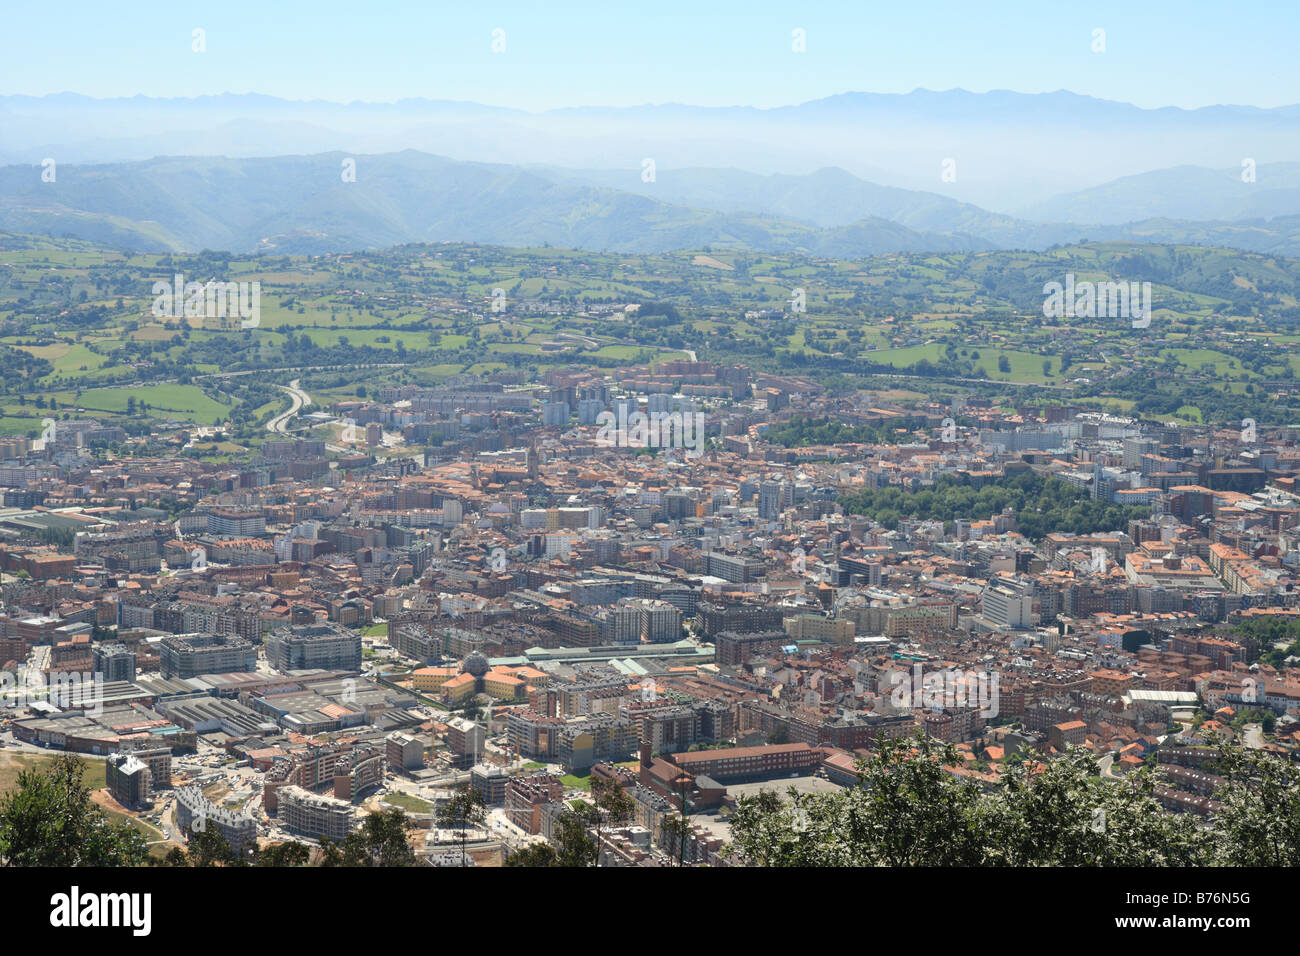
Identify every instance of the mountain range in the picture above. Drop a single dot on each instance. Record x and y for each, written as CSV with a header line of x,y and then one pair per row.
x,y
1008,151
302,204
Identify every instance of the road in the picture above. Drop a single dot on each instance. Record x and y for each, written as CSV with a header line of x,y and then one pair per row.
x,y
279,425
298,399
295,368
976,381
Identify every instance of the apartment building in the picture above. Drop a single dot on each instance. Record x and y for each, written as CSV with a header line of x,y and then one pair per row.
x,y
404,752
413,641
314,815
114,662
816,627
583,741
736,764
489,782
236,523
465,742
195,813
526,796
188,655
314,646
660,622
129,780
739,618
735,568
1010,607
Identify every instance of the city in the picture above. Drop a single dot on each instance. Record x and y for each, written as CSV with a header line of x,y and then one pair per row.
x,y
484,468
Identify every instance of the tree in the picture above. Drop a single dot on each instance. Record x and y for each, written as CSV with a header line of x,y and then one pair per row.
x,y
679,826
207,847
175,857
1258,821
1064,813
574,846
610,803
535,854
50,820
380,841
290,853
910,810
465,809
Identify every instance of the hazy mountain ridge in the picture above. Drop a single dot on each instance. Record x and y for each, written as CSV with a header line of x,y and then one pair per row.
x,y
1007,145
302,204
1184,192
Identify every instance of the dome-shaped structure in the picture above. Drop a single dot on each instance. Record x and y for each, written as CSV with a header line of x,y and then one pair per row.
x,y
475,664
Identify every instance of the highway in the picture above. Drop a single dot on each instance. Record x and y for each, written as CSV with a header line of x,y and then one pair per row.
x,y
300,399
279,424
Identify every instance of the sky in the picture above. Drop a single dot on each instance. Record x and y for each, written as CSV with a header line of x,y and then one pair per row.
x,y
617,53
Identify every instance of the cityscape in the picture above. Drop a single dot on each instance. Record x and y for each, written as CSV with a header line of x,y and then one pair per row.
x,y
559,503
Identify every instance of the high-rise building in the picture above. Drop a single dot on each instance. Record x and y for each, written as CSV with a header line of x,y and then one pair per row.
x,y
188,655
489,782
195,813
555,414
404,751
314,815
128,779
114,662
1008,606
311,646
465,740
770,499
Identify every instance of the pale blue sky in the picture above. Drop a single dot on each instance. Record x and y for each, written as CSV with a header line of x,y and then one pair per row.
x,y
721,52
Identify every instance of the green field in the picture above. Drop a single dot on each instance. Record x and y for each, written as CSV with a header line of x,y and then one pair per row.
x,y
577,781
164,401
77,319
408,803
13,763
